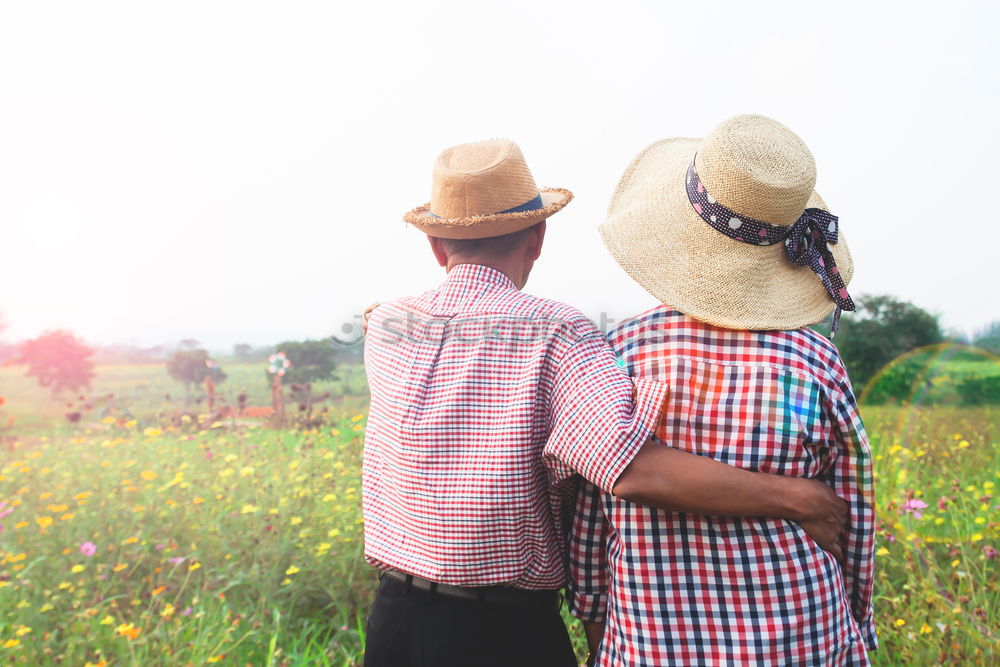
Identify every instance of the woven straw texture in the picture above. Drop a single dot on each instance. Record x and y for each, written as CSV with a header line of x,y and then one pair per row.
x,y
472,182
752,165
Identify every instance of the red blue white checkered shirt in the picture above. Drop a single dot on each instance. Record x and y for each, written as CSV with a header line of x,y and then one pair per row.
x,y
686,589
484,403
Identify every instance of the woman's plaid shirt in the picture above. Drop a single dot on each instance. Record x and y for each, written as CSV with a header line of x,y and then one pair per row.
x,y
484,403
685,589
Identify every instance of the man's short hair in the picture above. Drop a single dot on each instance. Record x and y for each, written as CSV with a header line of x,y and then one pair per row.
x,y
497,246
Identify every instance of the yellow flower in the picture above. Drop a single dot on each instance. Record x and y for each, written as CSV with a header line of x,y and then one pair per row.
x,y
44,521
357,418
925,629
296,520
151,432
119,567
249,509
899,623
977,537
216,658
23,630
194,566
882,551
107,620
198,500
131,423
148,475
128,630
247,471
291,570
131,540
168,610
77,569
980,520
11,643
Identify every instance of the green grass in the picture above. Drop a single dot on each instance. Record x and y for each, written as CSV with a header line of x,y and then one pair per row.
x,y
253,536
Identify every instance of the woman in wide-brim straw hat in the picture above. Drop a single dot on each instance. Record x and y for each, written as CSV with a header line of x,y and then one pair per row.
x,y
729,234
729,229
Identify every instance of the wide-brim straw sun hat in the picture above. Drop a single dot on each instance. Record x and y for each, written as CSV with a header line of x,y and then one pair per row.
x,y
484,189
729,230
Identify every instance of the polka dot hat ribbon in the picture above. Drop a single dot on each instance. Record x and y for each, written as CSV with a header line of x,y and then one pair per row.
x,y
806,241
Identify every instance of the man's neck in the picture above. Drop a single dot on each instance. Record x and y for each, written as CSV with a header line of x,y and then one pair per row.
x,y
515,273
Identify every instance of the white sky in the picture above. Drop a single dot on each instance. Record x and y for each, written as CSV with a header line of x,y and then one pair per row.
x,y
236,171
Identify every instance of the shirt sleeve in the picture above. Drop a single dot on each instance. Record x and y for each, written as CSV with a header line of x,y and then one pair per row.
x,y
851,478
587,585
599,417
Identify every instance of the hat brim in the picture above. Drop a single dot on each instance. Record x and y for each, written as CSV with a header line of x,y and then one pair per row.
x,y
486,226
658,238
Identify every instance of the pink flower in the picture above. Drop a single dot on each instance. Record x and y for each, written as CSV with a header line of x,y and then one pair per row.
x,y
176,559
187,611
915,507
990,552
88,548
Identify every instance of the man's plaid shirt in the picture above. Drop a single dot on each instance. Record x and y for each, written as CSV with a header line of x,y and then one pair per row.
x,y
686,589
484,403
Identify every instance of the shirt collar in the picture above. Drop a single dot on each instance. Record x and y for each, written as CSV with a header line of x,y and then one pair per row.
x,y
477,273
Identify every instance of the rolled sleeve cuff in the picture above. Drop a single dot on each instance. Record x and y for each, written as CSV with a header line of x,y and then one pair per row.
x,y
591,607
649,400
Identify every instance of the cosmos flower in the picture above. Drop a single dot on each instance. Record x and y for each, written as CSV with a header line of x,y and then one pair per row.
x,y
88,548
915,507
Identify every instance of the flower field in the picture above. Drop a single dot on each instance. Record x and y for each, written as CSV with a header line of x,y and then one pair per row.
x,y
125,541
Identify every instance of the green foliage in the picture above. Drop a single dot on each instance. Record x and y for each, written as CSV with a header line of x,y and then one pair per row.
x,y
980,390
899,382
882,329
312,360
989,338
191,367
57,359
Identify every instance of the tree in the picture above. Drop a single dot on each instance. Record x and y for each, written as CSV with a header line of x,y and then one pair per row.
x,y
246,353
989,338
882,329
58,360
312,360
191,368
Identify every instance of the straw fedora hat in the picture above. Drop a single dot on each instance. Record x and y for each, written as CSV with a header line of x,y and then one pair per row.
x,y
484,189
728,229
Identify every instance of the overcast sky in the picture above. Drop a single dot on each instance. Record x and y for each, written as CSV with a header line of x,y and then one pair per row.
x,y
237,171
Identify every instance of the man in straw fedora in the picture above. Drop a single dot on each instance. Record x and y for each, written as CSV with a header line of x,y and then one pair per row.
x,y
729,235
485,402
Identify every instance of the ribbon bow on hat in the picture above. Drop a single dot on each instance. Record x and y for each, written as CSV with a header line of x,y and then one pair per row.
x,y
807,240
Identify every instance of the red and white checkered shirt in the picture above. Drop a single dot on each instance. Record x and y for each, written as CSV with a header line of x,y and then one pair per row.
x,y
687,589
484,403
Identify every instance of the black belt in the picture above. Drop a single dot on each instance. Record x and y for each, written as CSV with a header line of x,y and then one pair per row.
x,y
490,594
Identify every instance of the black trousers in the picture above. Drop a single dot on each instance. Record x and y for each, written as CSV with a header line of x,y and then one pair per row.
x,y
414,628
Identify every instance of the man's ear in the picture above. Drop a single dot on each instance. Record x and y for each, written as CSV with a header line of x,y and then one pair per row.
x,y
535,241
440,254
